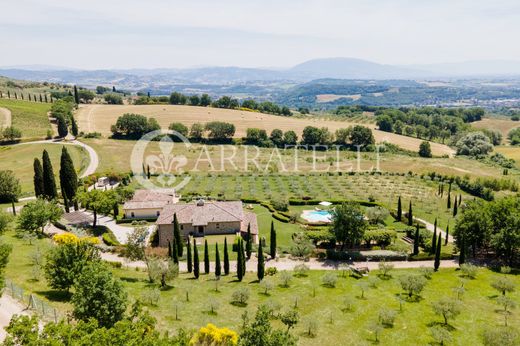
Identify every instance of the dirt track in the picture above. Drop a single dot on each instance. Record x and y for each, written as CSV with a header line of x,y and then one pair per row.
x,y
100,117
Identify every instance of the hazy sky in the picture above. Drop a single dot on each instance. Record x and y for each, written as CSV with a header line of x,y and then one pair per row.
x,y
170,33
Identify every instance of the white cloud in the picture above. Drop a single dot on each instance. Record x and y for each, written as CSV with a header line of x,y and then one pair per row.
x,y
256,33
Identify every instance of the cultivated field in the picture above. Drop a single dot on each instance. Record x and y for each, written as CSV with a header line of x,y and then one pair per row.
x,y
19,158
313,301
30,117
503,125
99,118
511,152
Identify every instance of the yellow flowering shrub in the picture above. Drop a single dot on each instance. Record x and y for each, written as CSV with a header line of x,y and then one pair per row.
x,y
71,238
210,335
65,238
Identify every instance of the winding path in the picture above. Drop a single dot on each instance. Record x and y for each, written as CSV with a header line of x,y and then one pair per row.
x,y
431,227
6,114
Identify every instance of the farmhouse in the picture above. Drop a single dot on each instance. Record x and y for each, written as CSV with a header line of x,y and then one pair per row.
x,y
206,218
148,204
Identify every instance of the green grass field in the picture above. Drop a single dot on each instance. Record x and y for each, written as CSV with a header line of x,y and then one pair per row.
x,y
19,158
325,307
30,117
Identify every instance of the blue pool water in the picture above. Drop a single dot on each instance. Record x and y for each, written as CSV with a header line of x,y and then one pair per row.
x,y
317,215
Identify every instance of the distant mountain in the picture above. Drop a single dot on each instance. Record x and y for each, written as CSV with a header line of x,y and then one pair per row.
x,y
477,68
351,68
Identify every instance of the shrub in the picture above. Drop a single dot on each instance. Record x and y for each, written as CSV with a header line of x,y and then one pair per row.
x,y
285,278
271,271
280,205
469,270
211,335
427,272
110,239
301,270
329,280
151,296
240,296
281,217
387,317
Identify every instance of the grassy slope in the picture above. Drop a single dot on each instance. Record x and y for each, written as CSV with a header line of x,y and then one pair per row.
x,y
411,325
30,117
20,159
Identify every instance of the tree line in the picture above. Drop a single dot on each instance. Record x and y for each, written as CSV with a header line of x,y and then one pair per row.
x,y
205,100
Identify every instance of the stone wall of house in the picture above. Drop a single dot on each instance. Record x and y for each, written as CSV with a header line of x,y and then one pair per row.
x,y
166,231
142,213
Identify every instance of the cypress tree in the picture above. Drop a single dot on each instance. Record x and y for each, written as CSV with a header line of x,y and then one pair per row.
x,y
460,199
46,100
261,265
169,249
410,215
455,208
15,96
240,263
188,256
38,178
206,257
68,176
73,126
434,243
22,95
447,234
173,249
462,255
41,100
8,94
177,235
49,183
226,258
416,241
63,131
76,96
65,202
196,267
449,201
243,257
148,171
218,269
399,209
116,210
437,261
249,244
273,241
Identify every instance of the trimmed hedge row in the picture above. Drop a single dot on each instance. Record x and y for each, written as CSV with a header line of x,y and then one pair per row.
x,y
358,256
110,239
294,201
119,221
278,216
426,256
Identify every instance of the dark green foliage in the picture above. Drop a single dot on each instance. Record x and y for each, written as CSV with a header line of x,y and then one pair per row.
x,y
68,176
437,261
173,249
462,251
49,183
196,264
63,130
206,257
249,242
188,257
218,268
38,178
455,207
261,265
76,96
447,235
73,127
65,263
10,188
169,249
434,238
416,241
348,224
410,215
240,260
273,241
449,201
226,258
133,125
177,235
259,332
425,149
399,209
98,295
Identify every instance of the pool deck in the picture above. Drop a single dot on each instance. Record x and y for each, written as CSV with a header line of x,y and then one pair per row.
x,y
314,216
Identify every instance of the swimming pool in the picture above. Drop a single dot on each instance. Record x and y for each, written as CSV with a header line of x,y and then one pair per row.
x,y
317,216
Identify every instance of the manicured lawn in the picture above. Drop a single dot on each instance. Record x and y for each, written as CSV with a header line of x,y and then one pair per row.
x,y
325,307
19,158
30,117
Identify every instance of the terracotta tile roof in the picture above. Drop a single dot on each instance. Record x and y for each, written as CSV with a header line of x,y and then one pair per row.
x,y
201,215
78,217
249,218
148,199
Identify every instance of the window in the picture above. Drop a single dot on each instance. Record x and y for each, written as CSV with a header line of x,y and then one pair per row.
x,y
132,214
182,227
217,226
158,213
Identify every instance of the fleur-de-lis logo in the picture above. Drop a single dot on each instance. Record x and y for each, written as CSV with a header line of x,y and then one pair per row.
x,y
165,166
